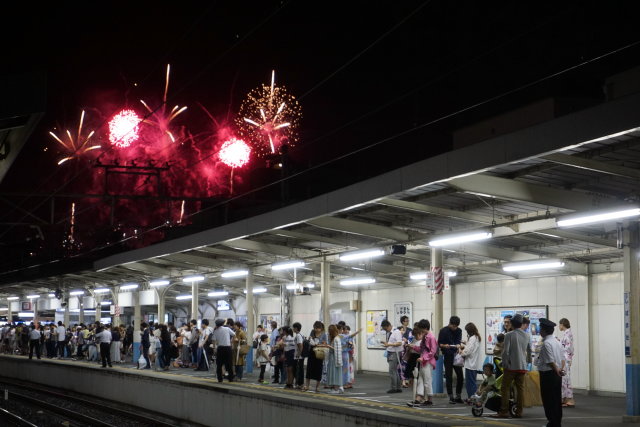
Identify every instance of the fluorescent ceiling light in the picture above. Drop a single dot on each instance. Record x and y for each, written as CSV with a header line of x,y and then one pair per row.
x,y
533,265
257,290
105,302
129,286
4,309
76,293
12,298
101,290
422,275
33,296
293,286
184,297
369,253
26,314
598,217
358,281
192,279
287,265
52,295
234,273
218,294
460,238
159,283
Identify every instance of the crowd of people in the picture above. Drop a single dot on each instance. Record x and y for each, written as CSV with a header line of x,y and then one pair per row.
x,y
325,355
94,342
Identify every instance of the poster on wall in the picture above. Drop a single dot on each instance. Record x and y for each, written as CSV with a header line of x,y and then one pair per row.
x,y
402,309
494,324
375,334
266,319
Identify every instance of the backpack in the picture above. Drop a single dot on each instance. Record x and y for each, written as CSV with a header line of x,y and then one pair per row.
x,y
306,347
209,339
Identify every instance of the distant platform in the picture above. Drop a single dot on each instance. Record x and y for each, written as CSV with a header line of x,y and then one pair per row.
x,y
197,397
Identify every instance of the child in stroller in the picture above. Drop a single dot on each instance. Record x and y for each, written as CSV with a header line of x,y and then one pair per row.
x,y
488,394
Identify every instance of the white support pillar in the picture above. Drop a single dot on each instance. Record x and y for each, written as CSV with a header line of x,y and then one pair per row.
x,y
438,308
591,292
35,311
114,301
251,321
195,314
9,312
632,320
66,314
325,289
81,308
137,321
98,308
161,304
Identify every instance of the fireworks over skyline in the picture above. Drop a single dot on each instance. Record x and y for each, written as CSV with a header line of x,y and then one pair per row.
x,y
158,117
269,117
75,147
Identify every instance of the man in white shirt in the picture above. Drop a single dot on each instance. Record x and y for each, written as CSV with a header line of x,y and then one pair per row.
x,y
104,338
394,347
61,333
550,363
204,346
222,337
34,341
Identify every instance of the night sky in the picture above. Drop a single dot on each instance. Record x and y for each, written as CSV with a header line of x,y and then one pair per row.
x,y
365,72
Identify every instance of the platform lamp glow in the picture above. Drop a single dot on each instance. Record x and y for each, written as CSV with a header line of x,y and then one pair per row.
x,y
161,282
288,265
357,281
192,279
595,217
129,287
368,253
460,238
541,264
257,290
218,294
229,274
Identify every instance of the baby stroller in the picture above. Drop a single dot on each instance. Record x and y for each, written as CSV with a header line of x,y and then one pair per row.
x,y
492,401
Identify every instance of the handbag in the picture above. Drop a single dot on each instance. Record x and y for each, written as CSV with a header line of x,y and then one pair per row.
x,y
243,349
458,360
320,352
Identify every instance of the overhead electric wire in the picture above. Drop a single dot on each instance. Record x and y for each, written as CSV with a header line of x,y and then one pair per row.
x,y
379,142
363,51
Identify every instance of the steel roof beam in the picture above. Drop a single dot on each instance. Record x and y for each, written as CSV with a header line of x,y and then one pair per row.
x,y
593,165
363,229
503,188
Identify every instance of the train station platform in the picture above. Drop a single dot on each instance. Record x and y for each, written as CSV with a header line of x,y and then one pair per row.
x,y
197,397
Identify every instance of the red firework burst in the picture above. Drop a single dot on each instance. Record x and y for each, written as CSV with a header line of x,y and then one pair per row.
x,y
124,128
235,153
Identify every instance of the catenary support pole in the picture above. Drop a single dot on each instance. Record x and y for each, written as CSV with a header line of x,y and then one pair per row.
x,y
325,289
161,304
137,320
194,300
632,320
251,321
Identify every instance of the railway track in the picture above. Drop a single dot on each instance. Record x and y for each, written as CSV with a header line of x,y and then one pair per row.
x,y
79,411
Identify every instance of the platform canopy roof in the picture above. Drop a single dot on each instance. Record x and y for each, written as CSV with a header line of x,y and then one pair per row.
x,y
516,186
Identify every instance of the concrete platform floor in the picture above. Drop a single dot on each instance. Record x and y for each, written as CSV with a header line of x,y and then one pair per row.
x,y
370,392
